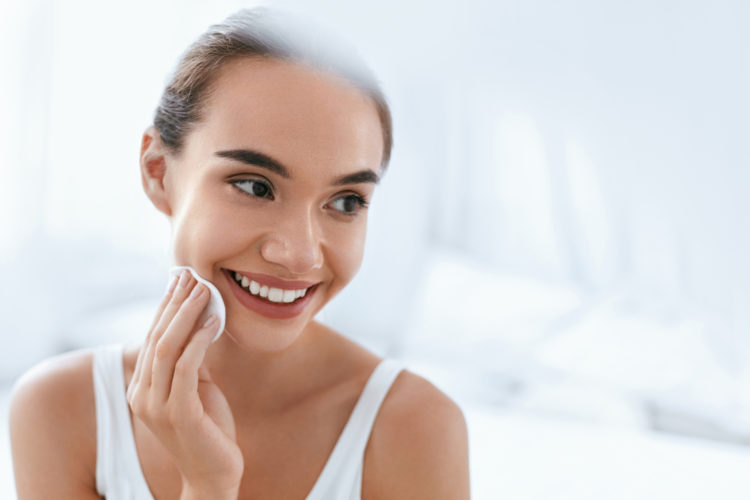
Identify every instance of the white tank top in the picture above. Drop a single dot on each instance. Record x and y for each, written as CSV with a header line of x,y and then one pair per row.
x,y
118,471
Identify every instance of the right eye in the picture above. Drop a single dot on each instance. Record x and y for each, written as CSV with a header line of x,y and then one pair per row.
x,y
254,187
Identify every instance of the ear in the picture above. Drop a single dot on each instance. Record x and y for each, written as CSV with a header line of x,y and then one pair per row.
x,y
154,169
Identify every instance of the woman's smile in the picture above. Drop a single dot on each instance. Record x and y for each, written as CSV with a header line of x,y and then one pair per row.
x,y
269,296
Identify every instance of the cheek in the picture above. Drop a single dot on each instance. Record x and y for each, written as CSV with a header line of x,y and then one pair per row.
x,y
200,234
345,256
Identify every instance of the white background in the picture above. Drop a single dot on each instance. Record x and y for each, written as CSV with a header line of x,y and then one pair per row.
x,y
563,227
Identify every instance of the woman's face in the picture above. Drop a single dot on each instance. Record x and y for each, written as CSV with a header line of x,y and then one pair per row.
x,y
272,183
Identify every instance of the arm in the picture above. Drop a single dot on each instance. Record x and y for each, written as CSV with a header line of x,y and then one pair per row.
x,y
52,430
419,446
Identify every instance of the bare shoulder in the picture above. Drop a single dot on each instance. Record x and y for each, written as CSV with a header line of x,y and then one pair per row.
x,y
52,423
419,445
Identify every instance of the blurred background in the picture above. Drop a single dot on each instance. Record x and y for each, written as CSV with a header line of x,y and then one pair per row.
x,y
563,227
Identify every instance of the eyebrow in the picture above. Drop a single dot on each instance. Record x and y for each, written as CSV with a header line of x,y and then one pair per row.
x,y
255,158
358,178
261,160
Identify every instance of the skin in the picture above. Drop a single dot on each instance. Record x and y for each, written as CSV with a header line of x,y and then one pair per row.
x,y
232,419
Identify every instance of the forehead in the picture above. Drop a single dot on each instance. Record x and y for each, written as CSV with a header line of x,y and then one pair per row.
x,y
298,115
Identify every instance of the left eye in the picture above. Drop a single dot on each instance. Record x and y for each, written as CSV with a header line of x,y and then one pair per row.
x,y
349,204
255,187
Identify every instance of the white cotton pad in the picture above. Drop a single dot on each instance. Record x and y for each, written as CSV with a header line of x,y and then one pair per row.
x,y
215,303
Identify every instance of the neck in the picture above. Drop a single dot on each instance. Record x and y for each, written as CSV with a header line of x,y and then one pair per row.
x,y
259,381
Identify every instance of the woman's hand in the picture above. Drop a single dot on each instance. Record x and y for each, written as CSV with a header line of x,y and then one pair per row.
x,y
173,394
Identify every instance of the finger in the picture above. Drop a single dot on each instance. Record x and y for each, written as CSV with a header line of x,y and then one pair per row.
x,y
204,374
178,297
182,290
189,368
172,343
160,310
163,305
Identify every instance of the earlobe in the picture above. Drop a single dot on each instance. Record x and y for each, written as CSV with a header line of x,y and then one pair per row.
x,y
153,169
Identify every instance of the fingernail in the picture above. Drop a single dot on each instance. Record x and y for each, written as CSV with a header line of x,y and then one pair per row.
x,y
210,321
171,285
197,290
184,277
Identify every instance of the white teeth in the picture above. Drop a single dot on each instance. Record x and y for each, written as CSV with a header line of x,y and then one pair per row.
x,y
272,294
275,294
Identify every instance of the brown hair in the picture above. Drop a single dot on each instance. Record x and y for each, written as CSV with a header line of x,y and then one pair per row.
x,y
258,32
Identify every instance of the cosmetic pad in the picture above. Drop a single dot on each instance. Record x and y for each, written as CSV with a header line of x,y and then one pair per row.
x,y
215,303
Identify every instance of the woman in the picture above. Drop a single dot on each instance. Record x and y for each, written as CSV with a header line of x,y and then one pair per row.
x,y
264,155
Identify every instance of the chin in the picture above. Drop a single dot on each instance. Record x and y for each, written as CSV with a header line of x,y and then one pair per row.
x,y
263,337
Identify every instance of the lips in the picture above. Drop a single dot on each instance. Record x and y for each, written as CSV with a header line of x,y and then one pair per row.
x,y
274,310
273,281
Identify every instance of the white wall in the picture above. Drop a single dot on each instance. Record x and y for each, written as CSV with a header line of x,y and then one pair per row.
x,y
577,149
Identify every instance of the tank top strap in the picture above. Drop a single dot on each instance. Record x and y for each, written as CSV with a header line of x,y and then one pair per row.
x,y
341,478
118,471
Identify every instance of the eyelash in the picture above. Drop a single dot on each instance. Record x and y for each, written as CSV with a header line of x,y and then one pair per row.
x,y
237,182
361,202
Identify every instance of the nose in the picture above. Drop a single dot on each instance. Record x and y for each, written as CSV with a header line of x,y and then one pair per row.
x,y
295,244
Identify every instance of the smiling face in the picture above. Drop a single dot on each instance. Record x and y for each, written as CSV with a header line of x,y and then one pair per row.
x,y
272,184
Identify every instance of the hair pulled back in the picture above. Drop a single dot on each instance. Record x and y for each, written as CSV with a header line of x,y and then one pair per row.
x,y
258,32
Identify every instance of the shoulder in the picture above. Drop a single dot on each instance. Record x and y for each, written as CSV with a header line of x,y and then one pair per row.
x,y
53,427
419,445
54,390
